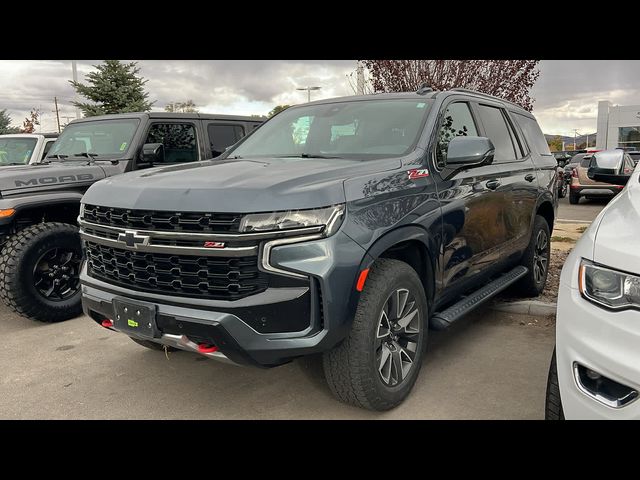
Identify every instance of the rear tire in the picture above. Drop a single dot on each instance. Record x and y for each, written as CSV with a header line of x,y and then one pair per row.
x,y
26,257
574,198
536,258
376,366
553,407
153,345
562,191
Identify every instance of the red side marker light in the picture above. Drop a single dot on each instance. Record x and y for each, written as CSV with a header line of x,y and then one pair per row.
x,y
361,279
205,348
107,323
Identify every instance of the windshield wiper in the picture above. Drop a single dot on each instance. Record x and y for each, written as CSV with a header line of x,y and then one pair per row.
x,y
307,155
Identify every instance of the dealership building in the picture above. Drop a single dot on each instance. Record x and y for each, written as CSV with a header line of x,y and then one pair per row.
x,y
618,126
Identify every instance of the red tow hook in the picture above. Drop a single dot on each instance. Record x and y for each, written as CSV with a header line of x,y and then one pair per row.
x,y
107,323
206,348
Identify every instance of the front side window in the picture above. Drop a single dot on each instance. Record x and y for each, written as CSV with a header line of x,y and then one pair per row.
x,y
102,138
16,150
358,130
179,140
497,130
222,136
457,122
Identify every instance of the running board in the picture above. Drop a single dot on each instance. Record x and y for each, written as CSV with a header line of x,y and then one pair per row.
x,y
442,320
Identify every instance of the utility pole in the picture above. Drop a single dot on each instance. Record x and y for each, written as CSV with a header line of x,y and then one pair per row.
x,y
74,70
308,89
575,134
359,78
55,100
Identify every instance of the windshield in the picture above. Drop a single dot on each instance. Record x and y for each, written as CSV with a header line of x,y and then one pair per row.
x,y
16,150
354,130
101,138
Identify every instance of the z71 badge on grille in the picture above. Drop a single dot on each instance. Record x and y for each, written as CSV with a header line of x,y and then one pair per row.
x,y
213,244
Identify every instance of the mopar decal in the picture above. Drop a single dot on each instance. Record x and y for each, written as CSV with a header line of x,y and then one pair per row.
x,y
83,177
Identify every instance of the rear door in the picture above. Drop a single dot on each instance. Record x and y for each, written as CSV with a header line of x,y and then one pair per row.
x,y
222,135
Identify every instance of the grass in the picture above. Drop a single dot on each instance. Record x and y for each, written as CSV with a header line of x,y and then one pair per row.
x,y
581,229
562,239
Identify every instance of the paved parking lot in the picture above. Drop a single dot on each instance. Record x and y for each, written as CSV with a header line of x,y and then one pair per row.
x,y
585,211
491,366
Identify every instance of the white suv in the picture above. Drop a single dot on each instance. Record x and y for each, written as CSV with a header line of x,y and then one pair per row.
x,y
595,370
25,148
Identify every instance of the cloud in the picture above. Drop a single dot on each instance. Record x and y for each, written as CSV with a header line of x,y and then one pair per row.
x,y
566,94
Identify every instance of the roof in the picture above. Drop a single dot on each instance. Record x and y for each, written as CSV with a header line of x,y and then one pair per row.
x,y
31,135
174,116
415,96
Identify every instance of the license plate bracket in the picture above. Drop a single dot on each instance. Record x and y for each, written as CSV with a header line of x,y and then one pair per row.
x,y
133,316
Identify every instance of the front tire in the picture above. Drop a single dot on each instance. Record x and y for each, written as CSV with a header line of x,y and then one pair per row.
x,y
536,259
553,405
376,366
574,199
40,272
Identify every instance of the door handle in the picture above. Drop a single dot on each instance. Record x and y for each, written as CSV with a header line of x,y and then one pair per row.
x,y
530,177
492,184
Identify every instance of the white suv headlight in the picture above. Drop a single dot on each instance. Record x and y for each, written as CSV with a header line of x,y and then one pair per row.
x,y
330,218
609,288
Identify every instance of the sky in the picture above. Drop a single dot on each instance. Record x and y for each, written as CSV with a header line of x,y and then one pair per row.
x,y
566,93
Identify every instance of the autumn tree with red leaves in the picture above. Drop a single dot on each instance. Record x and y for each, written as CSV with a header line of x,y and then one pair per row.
x,y
508,79
29,124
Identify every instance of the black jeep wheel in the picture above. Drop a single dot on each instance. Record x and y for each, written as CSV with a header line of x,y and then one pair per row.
x,y
40,272
376,366
536,258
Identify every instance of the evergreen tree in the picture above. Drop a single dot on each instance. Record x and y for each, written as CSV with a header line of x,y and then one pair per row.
x,y
5,124
114,88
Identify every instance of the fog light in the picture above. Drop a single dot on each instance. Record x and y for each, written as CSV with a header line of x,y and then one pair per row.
x,y
603,389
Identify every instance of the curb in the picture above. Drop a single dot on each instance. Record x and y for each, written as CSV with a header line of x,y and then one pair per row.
x,y
526,307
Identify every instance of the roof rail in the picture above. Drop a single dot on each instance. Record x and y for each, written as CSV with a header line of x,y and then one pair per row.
x,y
475,92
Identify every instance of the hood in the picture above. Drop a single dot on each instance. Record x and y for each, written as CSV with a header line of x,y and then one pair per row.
x,y
238,186
616,242
23,178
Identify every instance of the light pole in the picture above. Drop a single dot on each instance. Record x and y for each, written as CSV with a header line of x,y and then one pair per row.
x,y
308,89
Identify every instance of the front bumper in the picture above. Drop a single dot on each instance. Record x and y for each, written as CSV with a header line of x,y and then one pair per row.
x,y
603,341
324,307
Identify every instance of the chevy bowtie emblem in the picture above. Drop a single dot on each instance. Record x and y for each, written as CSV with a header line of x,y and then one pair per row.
x,y
131,239
213,244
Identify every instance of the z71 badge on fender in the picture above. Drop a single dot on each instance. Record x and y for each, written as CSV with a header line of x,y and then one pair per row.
x,y
418,173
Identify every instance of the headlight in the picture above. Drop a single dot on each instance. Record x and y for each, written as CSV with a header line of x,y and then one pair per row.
x,y
81,215
607,287
330,218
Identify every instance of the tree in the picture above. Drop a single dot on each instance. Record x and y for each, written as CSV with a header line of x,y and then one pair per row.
x,y
508,79
116,87
277,109
5,123
555,144
30,122
185,107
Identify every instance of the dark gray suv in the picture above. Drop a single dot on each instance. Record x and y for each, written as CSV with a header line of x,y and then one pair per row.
x,y
344,227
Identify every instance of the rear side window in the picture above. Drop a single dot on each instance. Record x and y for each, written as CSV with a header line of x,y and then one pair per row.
x,y
222,136
586,161
496,128
533,134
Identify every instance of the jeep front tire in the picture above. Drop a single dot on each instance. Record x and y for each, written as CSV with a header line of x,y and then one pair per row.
x,y
40,272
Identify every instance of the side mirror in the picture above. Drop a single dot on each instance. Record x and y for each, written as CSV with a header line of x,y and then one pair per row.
x,y
469,152
608,167
153,153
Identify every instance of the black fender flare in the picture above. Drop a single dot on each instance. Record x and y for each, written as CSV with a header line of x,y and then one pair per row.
x,y
49,199
386,241
546,197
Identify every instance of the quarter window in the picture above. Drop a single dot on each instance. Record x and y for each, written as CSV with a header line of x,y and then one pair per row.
x,y
223,136
179,140
497,130
533,134
457,122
